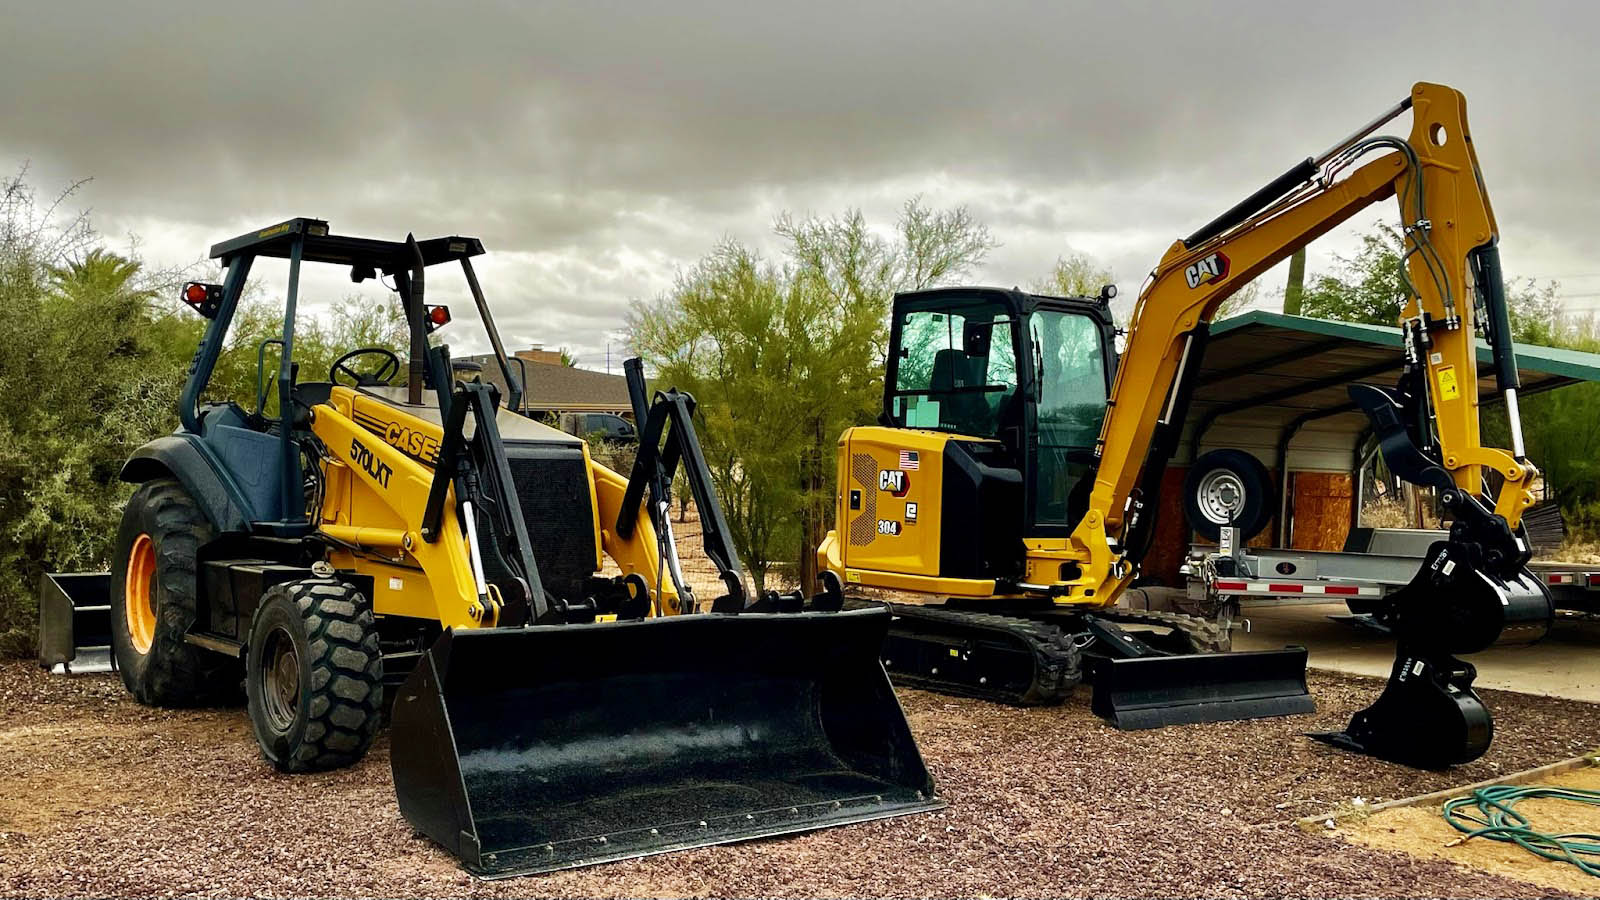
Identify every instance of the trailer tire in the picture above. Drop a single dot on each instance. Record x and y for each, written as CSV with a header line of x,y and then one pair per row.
x,y
155,584
1226,483
314,675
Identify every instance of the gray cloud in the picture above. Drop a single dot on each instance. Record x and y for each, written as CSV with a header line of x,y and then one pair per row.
x,y
596,147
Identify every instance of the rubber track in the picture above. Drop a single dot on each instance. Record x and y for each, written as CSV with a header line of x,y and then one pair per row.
x,y
1204,635
346,690
1058,667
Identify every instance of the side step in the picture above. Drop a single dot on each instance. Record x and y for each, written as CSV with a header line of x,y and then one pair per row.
x,y
1154,691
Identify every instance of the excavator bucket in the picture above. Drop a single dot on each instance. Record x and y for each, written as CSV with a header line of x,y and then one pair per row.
x,y
525,750
1428,715
1153,691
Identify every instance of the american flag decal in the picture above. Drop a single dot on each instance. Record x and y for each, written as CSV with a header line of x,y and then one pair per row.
x,y
908,460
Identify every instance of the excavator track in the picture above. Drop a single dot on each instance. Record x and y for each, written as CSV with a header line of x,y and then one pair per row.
x,y
1204,635
1004,659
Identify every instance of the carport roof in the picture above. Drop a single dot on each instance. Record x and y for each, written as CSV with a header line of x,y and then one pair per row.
x,y
1298,367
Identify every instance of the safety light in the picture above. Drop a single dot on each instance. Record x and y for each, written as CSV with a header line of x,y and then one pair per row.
x,y
203,298
438,316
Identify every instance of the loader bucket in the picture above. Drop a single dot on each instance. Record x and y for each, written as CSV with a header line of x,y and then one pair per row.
x,y
1152,691
526,750
75,621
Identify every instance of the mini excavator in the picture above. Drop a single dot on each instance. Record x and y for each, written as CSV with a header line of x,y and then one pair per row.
x,y
1009,491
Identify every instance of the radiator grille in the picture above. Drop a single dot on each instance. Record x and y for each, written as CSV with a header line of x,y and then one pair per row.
x,y
552,488
864,472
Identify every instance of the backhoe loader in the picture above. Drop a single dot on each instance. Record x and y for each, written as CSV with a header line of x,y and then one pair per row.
x,y
393,537
1011,486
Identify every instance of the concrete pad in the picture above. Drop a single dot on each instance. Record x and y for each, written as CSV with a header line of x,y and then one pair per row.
x,y
1565,664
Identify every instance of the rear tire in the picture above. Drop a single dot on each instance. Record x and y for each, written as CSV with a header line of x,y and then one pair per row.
x,y
1228,483
154,588
314,675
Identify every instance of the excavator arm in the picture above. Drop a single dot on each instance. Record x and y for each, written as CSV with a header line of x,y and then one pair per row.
x,y
1473,589
1452,270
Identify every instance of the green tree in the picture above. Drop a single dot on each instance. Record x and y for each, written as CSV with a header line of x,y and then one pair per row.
x,y
1368,287
92,372
1075,275
784,357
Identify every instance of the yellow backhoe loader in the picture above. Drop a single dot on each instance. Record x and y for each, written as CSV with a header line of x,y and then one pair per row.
x,y
1010,488
395,537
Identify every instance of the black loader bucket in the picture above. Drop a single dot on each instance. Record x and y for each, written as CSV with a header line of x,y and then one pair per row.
x,y
75,621
525,750
1152,691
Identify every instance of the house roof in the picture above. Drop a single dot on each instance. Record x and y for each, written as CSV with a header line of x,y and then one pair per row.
x,y
556,387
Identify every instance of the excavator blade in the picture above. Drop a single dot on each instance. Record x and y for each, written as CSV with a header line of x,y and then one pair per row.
x,y
1154,691
1428,715
525,750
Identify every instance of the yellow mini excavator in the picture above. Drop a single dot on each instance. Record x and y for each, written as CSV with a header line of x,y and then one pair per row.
x,y
1010,487
395,537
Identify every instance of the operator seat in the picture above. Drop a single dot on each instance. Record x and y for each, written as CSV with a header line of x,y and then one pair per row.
x,y
960,409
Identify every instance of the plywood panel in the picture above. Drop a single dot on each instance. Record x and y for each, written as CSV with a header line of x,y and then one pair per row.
x,y
1321,509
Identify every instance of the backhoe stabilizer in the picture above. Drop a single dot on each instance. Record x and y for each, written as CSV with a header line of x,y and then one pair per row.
x,y
1428,715
549,747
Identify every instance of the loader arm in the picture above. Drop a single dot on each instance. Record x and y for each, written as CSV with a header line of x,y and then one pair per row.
x,y
1450,237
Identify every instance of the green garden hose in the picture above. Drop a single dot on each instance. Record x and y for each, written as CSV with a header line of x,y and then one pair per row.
x,y
1488,812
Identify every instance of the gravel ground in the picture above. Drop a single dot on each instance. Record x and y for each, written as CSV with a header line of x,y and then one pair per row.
x,y
102,797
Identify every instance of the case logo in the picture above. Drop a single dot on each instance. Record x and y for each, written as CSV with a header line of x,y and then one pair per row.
x,y
415,444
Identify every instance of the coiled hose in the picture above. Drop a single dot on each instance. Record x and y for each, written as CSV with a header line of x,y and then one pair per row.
x,y
1490,812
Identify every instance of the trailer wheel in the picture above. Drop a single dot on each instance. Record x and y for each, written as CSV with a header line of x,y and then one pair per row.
x,y
314,675
154,588
1224,485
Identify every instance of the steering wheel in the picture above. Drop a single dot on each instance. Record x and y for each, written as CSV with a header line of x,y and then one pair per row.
x,y
380,376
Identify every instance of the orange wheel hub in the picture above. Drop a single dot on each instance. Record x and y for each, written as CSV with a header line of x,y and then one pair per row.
x,y
139,596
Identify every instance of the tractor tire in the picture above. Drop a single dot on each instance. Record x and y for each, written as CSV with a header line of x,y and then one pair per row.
x,y
154,595
1226,484
314,675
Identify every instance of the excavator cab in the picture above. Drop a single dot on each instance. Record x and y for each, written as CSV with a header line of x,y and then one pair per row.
x,y
1028,372
981,469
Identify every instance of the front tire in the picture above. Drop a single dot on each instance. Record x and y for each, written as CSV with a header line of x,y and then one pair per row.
x,y
155,583
314,675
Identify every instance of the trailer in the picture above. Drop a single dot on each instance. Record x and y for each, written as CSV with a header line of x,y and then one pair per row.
x,y
1375,563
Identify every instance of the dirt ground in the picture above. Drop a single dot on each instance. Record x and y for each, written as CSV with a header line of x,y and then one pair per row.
x,y
1422,831
100,796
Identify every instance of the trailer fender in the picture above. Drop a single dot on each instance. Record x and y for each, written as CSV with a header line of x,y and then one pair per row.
x,y
186,458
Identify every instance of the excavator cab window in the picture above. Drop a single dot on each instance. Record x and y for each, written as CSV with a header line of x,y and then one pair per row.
x,y
1072,385
956,369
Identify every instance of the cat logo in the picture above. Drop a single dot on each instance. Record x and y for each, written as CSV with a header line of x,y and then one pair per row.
x,y
894,481
1212,268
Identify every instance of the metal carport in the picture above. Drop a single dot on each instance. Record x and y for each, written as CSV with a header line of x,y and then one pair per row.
x,y
1274,385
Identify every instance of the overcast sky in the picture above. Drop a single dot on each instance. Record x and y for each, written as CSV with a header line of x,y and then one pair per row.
x,y
597,148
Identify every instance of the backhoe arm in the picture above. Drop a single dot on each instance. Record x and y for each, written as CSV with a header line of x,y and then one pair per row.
x,y
1453,271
